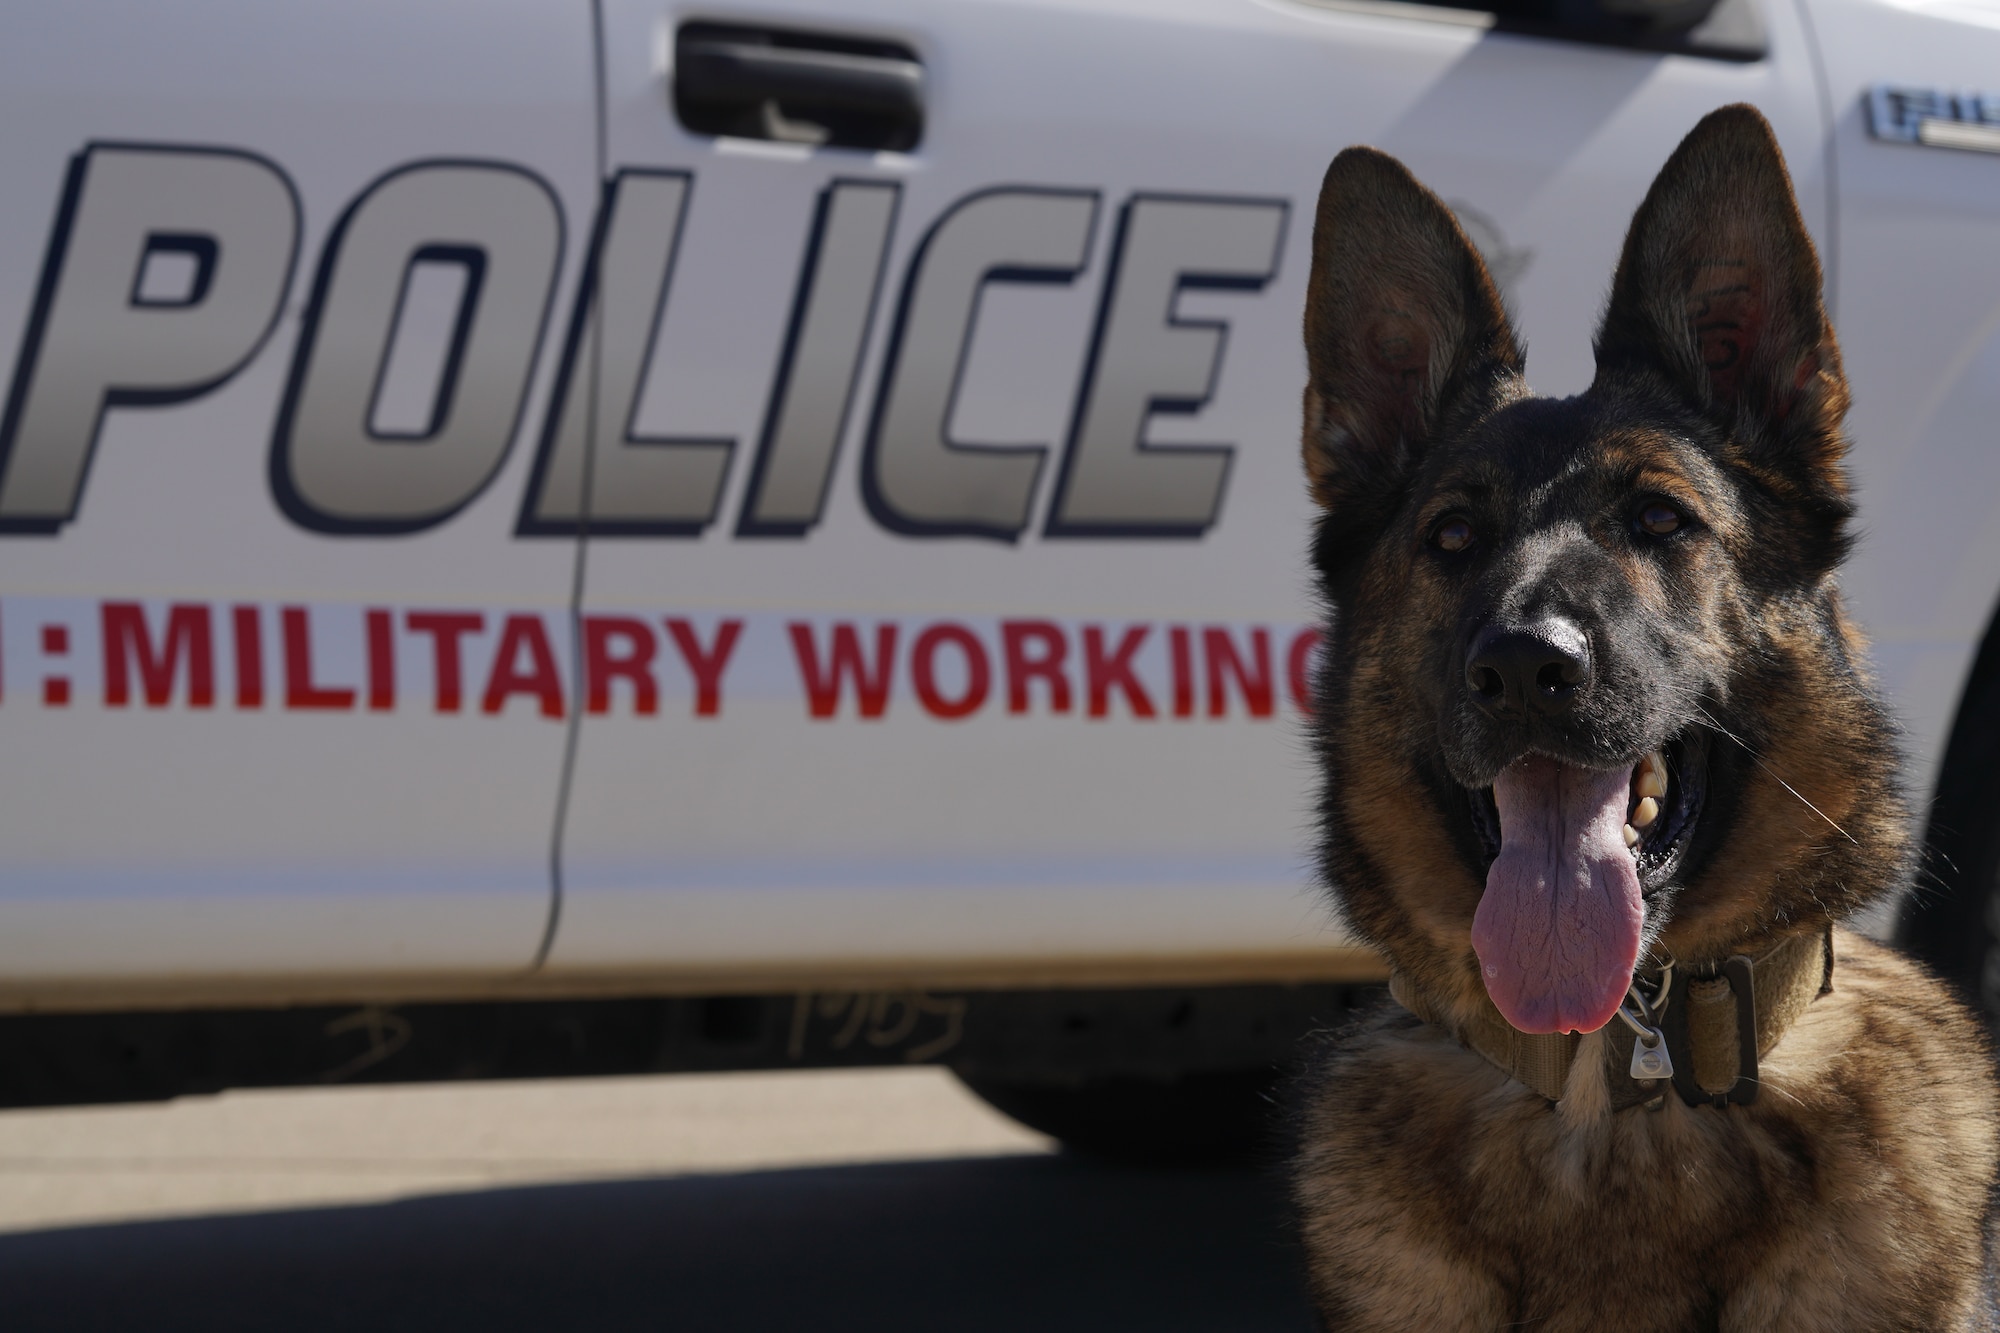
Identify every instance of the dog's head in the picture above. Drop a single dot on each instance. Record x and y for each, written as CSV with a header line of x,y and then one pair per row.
x,y
1590,692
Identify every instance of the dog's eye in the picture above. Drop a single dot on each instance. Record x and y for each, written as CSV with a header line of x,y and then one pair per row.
x,y
1659,519
1454,534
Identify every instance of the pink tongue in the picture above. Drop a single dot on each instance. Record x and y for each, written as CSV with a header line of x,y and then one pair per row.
x,y
1557,930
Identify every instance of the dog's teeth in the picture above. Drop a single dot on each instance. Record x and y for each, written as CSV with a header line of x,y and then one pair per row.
x,y
1652,777
1631,836
1645,812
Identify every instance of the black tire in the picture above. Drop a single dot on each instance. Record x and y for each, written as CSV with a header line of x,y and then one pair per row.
x,y
1224,1117
1952,920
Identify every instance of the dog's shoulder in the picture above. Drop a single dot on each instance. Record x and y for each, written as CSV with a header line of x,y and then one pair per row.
x,y
1387,1112
1888,1076
1389,1094
1885,1009
1875,1129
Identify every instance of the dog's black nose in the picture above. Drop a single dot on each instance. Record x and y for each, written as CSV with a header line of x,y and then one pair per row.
x,y
1538,668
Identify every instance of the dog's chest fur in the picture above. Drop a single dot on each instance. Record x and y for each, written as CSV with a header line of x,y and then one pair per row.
x,y
1437,1193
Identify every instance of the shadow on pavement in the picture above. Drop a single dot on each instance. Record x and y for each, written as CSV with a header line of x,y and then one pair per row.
x,y
1023,1243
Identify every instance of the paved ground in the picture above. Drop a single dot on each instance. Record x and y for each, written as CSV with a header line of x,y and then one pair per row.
x,y
888,1200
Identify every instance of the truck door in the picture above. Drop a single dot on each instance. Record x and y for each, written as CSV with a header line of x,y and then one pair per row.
x,y
945,586
280,695
1917,124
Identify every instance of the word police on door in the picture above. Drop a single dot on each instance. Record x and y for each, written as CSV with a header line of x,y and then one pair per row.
x,y
167,268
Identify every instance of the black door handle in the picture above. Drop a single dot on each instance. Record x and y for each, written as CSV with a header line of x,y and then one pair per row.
x,y
768,83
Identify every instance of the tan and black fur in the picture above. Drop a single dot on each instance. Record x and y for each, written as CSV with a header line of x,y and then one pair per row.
x,y
1435,1192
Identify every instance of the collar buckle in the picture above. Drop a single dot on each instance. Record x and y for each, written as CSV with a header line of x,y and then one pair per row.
x,y
1740,973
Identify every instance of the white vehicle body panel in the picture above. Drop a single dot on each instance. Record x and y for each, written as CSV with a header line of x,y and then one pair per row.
x,y
181,843
895,396
1045,843
1917,305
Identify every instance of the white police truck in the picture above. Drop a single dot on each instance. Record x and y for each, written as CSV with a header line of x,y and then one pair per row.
x,y
549,537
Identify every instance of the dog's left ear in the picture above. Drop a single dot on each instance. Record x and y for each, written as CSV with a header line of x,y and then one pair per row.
x,y
1718,291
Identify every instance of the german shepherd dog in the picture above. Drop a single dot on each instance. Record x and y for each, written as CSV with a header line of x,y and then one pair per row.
x,y
1603,771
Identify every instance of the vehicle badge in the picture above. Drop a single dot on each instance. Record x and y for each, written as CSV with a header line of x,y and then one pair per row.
x,y
1970,121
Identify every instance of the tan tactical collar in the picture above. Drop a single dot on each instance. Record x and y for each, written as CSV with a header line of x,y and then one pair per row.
x,y
1716,1021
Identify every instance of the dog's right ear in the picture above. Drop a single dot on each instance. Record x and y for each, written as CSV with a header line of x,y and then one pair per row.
x,y
1404,332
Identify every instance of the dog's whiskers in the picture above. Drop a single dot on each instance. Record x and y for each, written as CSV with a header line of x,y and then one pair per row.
x,y
1764,1085
1775,776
